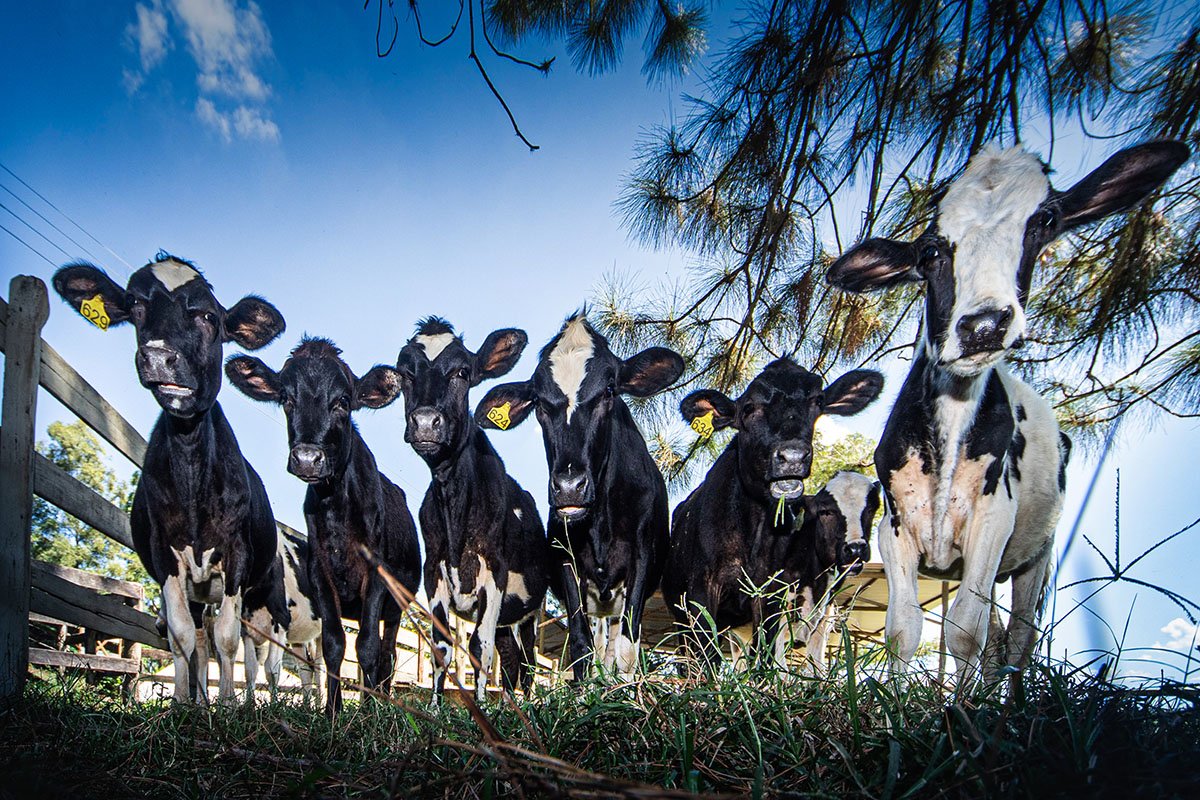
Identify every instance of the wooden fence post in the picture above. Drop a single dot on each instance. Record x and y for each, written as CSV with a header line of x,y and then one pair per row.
x,y
28,309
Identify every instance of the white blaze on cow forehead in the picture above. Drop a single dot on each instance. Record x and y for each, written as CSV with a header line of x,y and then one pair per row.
x,y
172,274
568,360
434,344
850,491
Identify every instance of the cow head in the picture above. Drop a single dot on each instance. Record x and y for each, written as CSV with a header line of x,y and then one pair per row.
x,y
576,393
436,373
318,391
774,419
180,326
842,513
976,258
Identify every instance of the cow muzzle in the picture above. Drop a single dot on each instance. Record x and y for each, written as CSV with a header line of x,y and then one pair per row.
x,y
308,463
427,430
983,331
854,556
790,464
571,495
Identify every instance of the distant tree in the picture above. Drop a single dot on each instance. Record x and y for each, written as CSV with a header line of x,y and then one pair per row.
x,y
61,539
852,452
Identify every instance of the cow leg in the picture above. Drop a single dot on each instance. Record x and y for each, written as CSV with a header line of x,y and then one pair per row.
x,y
387,666
483,640
905,618
332,644
369,647
274,666
253,654
442,648
181,633
1029,593
814,648
988,532
629,639
308,671
578,638
528,641
202,625
509,652
226,635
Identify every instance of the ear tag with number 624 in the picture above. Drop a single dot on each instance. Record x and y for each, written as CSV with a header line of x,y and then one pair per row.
x,y
499,416
93,311
703,425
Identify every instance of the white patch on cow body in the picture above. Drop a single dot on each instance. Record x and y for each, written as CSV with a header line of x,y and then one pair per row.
x,y
517,513
983,215
304,624
172,274
203,581
568,360
517,587
434,344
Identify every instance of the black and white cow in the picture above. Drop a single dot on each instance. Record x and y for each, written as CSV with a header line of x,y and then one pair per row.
x,y
609,521
201,521
349,503
485,547
746,523
302,633
971,458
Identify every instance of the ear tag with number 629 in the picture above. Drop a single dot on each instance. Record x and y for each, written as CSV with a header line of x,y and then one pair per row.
x,y
499,416
93,311
703,425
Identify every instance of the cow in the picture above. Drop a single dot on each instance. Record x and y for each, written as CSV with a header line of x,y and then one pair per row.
x,y
971,458
831,542
303,630
485,547
738,526
609,523
349,503
201,522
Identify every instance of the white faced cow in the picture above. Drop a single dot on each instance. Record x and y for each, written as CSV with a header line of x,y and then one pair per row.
x,y
971,458
201,521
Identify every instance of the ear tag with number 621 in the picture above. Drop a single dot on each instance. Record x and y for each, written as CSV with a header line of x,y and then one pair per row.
x,y
499,416
703,425
93,311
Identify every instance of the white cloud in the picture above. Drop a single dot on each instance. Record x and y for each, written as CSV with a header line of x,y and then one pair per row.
x,y
1183,635
208,114
229,42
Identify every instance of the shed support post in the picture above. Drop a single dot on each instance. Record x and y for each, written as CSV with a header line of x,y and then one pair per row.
x,y
28,309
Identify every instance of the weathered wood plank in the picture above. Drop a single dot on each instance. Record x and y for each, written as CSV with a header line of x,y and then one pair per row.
x,y
28,309
68,386
90,580
95,663
107,614
60,489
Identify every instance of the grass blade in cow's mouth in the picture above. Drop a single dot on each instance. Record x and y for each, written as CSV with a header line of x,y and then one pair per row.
x,y
787,488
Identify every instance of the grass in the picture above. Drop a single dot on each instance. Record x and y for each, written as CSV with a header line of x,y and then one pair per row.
x,y
1052,732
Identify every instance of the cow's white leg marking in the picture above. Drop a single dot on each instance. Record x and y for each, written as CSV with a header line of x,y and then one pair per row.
x,y
816,645
900,557
485,627
181,633
440,653
226,633
1029,591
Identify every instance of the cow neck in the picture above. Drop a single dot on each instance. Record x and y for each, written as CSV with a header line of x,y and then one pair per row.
x,y
612,474
356,484
459,480
192,442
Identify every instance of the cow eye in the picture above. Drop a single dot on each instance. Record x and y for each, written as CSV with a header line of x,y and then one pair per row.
x,y
137,310
930,252
207,316
463,374
1049,218
341,404
611,389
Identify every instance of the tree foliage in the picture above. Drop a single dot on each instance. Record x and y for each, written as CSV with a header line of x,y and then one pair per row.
x,y
61,539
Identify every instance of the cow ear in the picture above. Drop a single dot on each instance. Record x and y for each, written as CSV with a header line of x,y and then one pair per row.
x,y
253,323
650,371
499,353
253,378
708,401
505,406
82,281
378,388
852,392
875,264
1120,183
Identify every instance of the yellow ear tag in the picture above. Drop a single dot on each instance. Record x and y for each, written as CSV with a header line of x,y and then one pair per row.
x,y
93,311
499,416
703,425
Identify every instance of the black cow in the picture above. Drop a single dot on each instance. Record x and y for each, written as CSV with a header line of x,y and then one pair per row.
x,y
609,521
349,502
729,530
485,548
201,522
971,458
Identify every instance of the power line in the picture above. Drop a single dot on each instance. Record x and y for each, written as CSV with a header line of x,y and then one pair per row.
x,y
27,244
129,267
48,222
35,230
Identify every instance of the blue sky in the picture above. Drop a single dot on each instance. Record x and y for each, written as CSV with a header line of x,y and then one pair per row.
x,y
274,148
